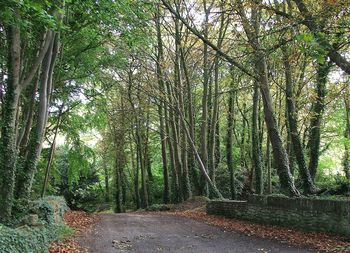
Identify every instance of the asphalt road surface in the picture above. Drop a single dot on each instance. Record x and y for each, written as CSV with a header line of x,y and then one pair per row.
x,y
144,232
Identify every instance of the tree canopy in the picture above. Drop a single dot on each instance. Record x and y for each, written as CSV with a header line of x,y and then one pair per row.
x,y
132,103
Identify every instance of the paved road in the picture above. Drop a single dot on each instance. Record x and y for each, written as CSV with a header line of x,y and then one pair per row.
x,y
142,233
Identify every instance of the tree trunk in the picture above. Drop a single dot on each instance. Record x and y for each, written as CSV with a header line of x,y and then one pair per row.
x,y
161,106
229,141
268,165
279,153
190,116
135,166
317,113
119,208
308,185
204,117
185,185
26,176
22,141
8,152
199,160
346,157
174,140
51,155
214,126
107,191
256,146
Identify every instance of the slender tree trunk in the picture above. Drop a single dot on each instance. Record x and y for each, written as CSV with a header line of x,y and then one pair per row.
x,y
204,117
268,165
346,157
107,191
229,141
141,161
256,146
279,152
118,181
317,113
148,162
135,166
308,185
26,176
174,140
190,116
213,125
199,160
51,155
161,106
119,141
22,141
185,185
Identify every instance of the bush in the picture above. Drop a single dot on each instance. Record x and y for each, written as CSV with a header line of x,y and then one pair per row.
x,y
158,207
27,239
36,239
49,209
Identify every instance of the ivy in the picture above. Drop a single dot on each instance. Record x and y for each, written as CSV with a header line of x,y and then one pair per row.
x,y
36,239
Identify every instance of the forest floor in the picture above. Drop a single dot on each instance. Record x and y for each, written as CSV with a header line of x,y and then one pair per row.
x,y
187,228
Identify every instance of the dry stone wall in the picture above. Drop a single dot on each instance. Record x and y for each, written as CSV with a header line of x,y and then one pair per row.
x,y
301,213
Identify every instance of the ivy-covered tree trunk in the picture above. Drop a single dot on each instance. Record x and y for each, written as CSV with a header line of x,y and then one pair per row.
x,y
279,153
27,173
298,150
106,174
317,114
346,156
8,152
229,141
256,146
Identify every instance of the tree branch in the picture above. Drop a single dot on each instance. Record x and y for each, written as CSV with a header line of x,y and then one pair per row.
x,y
209,43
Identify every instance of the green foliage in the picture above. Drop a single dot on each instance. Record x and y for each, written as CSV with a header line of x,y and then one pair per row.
x,y
158,207
75,177
49,209
36,239
64,232
313,45
27,239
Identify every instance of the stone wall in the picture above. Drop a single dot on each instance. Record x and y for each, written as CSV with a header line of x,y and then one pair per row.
x,y
302,213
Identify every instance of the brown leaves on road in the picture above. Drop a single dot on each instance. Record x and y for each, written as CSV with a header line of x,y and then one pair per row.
x,y
319,241
80,222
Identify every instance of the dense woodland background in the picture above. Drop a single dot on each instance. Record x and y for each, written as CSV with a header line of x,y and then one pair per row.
x,y
131,103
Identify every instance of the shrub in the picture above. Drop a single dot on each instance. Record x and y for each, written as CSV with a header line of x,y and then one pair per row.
x,y
27,239
36,239
158,207
49,209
